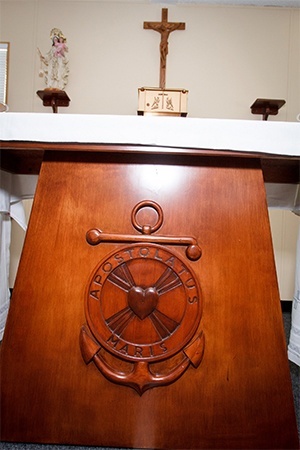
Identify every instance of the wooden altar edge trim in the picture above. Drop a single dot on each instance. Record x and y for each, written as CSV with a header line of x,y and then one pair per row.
x,y
136,148
25,157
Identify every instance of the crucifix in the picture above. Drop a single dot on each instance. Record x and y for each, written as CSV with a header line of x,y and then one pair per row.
x,y
164,28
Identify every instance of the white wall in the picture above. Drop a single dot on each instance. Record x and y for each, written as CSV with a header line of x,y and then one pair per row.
x,y
227,57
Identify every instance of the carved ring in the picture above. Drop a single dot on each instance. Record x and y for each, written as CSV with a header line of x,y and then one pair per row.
x,y
147,229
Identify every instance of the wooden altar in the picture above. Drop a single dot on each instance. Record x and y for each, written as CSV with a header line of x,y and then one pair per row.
x,y
146,312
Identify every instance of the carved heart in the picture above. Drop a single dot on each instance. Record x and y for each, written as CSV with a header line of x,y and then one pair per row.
x,y
142,301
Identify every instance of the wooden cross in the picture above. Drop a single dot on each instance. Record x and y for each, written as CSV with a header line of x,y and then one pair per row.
x,y
164,28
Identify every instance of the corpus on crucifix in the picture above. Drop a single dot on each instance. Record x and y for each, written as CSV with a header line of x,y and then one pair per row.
x,y
164,28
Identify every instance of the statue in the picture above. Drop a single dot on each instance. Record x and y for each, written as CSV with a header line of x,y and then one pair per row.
x,y
54,65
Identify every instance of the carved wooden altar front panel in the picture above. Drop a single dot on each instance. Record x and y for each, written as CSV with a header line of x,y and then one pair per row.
x,y
230,390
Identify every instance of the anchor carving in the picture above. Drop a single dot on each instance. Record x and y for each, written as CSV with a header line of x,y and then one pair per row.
x,y
143,308
141,378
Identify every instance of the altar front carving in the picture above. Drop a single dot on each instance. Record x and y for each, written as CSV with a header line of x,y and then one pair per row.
x,y
146,295
143,306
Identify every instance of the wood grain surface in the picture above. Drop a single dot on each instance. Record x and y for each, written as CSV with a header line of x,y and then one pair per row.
x,y
240,395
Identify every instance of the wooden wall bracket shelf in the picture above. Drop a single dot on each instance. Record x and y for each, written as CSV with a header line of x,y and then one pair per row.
x,y
266,107
54,98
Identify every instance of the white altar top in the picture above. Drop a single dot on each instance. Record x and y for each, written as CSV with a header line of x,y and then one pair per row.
x,y
262,137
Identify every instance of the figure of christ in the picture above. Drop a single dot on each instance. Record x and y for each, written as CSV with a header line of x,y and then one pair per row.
x,y
164,28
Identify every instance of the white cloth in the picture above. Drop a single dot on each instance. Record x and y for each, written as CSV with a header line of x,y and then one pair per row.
x,y
13,188
283,196
256,137
294,341
287,196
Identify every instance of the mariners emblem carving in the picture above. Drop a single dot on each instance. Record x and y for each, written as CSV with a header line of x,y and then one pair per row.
x,y
143,309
